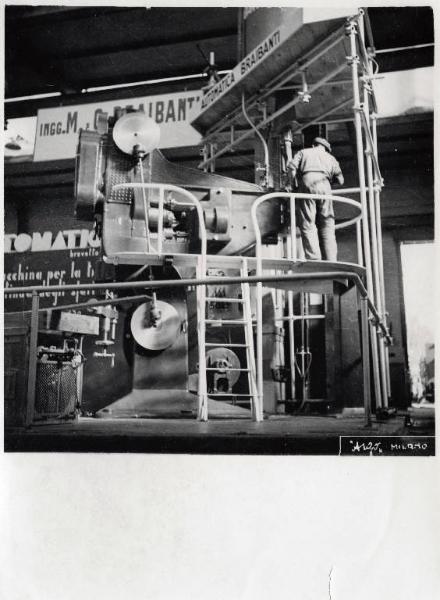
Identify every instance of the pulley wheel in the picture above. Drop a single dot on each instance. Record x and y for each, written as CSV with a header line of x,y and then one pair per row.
x,y
158,336
135,132
221,358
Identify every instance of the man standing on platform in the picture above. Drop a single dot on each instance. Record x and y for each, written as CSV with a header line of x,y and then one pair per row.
x,y
317,168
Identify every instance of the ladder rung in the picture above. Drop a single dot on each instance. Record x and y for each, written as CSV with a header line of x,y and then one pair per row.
x,y
227,369
226,321
224,299
225,395
224,345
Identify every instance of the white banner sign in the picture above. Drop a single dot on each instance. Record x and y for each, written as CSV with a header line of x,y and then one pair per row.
x,y
58,128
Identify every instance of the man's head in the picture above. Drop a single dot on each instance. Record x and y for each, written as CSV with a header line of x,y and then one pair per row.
x,y
323,143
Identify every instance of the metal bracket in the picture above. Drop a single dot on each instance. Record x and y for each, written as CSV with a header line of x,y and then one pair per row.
x,y
353,59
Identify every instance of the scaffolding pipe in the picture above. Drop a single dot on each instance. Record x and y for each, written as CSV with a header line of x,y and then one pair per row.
x,y
379,178
380,252
365,361
290,249
376,231
273,116
354,59
189,283
91,304
375,259
360,255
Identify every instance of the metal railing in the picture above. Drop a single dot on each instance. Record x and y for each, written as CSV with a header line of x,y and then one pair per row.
x,y
292,255
200,269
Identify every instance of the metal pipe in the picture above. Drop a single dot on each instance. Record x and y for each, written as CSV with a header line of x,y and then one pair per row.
x,y
145,204
201,330
401,48
160,221
361,169
375,269
360,157
375,228
290,248
170,283
260,135
369,139
298,317
383,349
259,315
273,116
32,361
292,255
376,342
360,256
91,304
365,360
380,252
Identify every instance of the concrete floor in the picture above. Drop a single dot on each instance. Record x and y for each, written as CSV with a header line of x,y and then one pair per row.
x,y
317,435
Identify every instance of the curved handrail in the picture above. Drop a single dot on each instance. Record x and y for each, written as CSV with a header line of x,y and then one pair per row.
x,y
293,255
201,273
162,187
292,196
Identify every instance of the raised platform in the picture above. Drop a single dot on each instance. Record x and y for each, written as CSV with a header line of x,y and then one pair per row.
x,y
221,261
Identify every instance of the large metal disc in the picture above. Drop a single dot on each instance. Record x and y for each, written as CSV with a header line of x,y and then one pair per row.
x,y
156,337
224,357
136,132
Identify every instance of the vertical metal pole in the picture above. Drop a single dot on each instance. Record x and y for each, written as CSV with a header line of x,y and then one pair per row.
x,y
259,316
380,252
145,203
292,228
303,347
365,359
375,264
201,313
32,365
160,221
374,194
360,158
201,326
291,254
280,303
257,409
360,256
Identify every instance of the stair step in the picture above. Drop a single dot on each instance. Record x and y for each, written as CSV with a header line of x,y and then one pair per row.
x,y
224,345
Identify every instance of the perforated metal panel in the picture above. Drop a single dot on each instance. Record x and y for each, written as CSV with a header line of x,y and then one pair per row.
x,y
56,392
118,168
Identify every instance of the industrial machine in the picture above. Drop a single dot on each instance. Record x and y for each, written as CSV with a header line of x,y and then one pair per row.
x,y
222,313
151,228
160,221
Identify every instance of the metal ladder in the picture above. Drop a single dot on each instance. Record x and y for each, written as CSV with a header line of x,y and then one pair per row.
x,y
246,323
